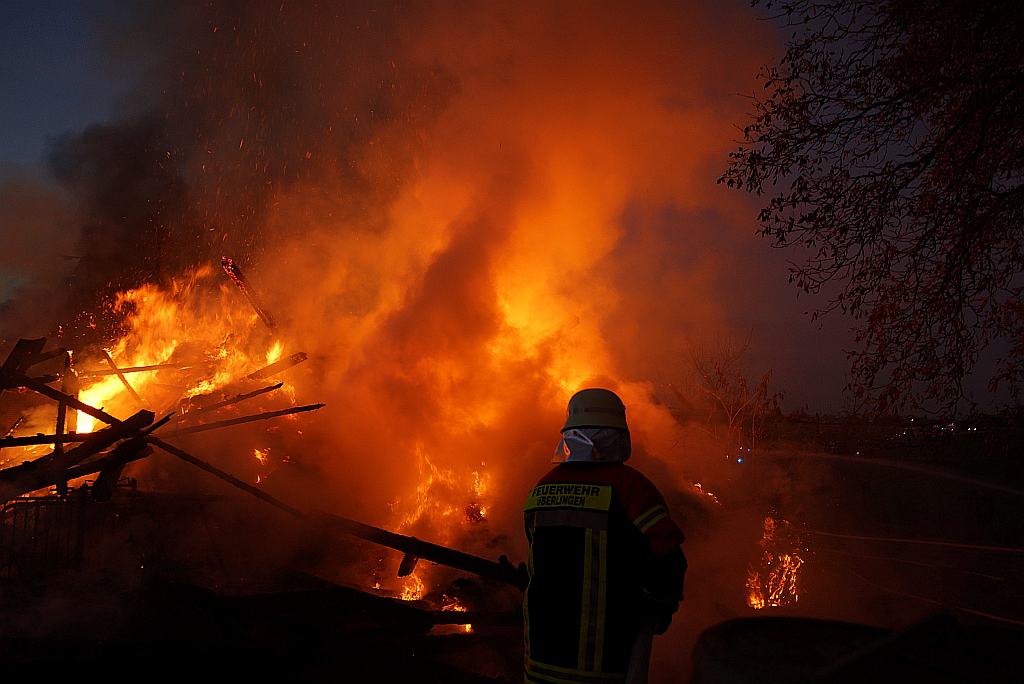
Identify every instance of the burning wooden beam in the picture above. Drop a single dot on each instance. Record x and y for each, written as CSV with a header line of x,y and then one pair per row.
x,y
238,398
501,570
29,440
266,415
36,385
100,372
278,366
122,378
27,353
235,274
32,440
126,452
112,459
30,476
14,426
69,386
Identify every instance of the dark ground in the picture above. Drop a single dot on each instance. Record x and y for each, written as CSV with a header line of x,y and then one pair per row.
x,y
200,599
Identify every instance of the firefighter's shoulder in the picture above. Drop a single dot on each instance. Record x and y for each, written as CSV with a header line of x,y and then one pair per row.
x,y
647,510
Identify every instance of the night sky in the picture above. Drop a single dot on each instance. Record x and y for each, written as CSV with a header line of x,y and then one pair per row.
x,y
53,75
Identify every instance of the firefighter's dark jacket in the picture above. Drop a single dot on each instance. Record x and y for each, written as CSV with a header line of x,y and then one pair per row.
x,y
605,561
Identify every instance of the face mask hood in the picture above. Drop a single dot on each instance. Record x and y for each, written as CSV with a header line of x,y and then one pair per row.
x,y
592,445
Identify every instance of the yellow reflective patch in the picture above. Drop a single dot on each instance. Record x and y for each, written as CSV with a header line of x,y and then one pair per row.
x,y
602,595
649,517
585,496
652,521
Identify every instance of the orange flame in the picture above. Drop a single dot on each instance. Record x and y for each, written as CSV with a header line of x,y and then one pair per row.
x,y
412,588
183,322
452,603
775,580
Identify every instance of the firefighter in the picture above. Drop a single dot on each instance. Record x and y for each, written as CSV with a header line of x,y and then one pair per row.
x,y
605,568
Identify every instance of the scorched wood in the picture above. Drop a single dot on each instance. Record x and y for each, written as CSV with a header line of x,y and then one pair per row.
x,y
235,274
502,571
45,471
278,366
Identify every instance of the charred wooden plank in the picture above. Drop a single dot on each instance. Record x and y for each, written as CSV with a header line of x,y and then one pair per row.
x,y
46,356
267,415
278,366
29,440
100,372
238,398
115,458
69,386
232,270
14,426
501,570
42,388
122,378
47,470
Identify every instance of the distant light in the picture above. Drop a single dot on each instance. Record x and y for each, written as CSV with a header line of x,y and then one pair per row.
x,y
739,460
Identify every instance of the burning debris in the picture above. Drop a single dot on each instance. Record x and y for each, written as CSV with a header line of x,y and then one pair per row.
x,y
234,272
104,453
774,579
184,353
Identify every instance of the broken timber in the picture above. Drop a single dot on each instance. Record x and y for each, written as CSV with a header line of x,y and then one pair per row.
x,y
48,470
122,378
29,440
238,398
278,366
232,270
59,466
100,372
244,419
502,572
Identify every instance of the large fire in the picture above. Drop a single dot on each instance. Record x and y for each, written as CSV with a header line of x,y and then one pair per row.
x,y
463,217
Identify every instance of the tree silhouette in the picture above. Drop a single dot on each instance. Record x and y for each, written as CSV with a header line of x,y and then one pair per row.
x,y
888,144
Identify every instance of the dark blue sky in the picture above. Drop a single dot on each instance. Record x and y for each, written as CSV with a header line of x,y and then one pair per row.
x,y
53,76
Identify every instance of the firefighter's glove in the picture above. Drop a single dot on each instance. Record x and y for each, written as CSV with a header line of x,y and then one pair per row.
x,y
658,611
518,573
663,618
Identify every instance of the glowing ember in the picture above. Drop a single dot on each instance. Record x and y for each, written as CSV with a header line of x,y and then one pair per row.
x,y
261,455
699,488
774,580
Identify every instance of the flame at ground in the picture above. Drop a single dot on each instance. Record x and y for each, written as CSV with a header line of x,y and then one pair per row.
x,y
774,580
452,603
